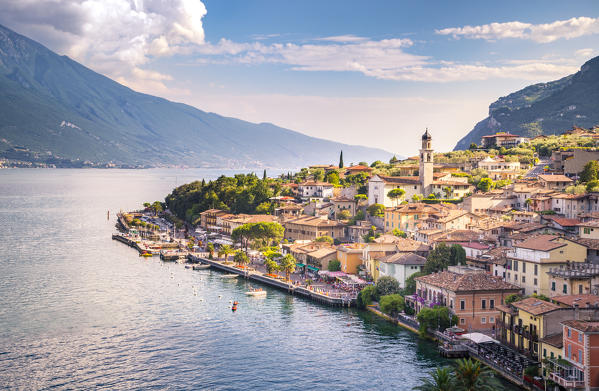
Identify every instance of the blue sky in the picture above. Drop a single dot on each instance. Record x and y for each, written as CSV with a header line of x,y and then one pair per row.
x,y
370,73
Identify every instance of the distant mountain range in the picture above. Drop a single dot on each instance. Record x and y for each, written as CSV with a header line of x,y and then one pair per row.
x,y
545,108
53,108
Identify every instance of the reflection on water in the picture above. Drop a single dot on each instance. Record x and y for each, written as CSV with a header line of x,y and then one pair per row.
x,y
79,310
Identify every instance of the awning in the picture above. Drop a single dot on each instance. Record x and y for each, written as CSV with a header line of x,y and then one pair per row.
x,y
300,265
314,269
478,338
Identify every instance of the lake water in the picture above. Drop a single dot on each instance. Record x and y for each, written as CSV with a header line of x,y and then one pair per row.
x,y
80,311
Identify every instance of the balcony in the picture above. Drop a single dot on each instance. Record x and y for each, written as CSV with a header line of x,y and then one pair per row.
x,y
566,374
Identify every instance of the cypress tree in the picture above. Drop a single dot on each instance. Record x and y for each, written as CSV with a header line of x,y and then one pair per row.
x,y
264,175
341,160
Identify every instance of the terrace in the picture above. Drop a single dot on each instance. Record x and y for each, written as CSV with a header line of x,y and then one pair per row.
x,y
565,374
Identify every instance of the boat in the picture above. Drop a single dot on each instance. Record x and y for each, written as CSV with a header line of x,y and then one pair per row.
x,y
230,275
201,267
259,292
145,254
234,306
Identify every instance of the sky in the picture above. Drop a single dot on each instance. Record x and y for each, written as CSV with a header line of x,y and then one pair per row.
x,y
369,73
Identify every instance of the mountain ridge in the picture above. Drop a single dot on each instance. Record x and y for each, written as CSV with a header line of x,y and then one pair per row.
x,y
544,108
42,92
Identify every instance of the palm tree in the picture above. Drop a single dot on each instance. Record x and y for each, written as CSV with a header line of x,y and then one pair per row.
x,y
241,258
288,264
441,380
528,203
210,249
226,250
472,376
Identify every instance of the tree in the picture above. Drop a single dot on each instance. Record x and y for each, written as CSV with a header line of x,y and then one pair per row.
x,y
334,266
210,249
387,285
410,287
438,259
436,318
485,185
396,194
332,177
241,258
157,206
399,233
391,304
264,175
448,191
442,379
376,210
226,250
366,296
271,266
324,239
360,197
417,197
592,186
590,171
288,265
514,297
344,215
473,146
457,255
341,160
471,375
147,205
393,160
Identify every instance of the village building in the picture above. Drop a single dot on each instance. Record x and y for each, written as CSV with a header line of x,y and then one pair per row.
x,y
314,254
530,261
350,257
574,278
344,203
499,169
400,266
555,182
506,140
314,189
353,170
208,219
472,296
313,227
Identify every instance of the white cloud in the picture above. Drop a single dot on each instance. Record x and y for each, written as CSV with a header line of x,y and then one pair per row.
x,y
115,37
343,38
543,33
585,53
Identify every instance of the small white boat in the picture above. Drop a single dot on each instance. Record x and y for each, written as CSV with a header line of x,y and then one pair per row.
x,y
256,293
230,275
201,267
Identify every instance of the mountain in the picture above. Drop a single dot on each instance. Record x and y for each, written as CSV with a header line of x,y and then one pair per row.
x,y
54,107
545,108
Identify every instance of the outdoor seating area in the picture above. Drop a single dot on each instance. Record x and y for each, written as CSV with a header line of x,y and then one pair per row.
x,y
504,358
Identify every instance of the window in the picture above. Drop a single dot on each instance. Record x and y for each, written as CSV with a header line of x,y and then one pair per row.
x,y
587,231
551,355
483,320
579,336
565,289
570,352
516,277
553,285
483,304
451,303
491,319
580,289
544,352
536,270
515,266
579,356
523,267
523,279
462,321
569,333
492,303
508,275
462,304
535,281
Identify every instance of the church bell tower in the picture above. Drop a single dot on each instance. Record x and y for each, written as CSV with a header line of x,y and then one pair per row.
x,y
426,164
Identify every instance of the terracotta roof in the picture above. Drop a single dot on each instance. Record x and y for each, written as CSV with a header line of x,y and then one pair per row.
x,y
505,308
535,306
359,167
477,281
314,221
555,178
501,135
541,243
451,183
556,340
591,223
593,244
581,300
400,179
474,245
582,325
314,183
403,259
564,222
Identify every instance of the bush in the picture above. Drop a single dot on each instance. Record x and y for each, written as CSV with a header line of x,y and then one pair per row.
x,y
366,296
376,210
387,285
434,318
334,266
392,304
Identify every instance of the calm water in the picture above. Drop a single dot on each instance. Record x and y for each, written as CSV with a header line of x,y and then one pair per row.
x,y
80,311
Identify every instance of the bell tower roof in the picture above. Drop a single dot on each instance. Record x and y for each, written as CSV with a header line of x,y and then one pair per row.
x,y
426,135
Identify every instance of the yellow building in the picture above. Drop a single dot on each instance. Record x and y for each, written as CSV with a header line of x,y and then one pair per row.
x,y
530,261
408,217
350,257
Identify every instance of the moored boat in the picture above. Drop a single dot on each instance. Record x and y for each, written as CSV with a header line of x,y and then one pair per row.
x,y
230,275
201,267
259,292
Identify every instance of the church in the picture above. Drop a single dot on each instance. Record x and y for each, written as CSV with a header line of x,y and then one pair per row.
x,y
427,182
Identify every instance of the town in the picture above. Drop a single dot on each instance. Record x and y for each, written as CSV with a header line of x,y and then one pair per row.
x,y
493,251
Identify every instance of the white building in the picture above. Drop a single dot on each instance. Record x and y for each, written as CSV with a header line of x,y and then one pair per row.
x,y
313,189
